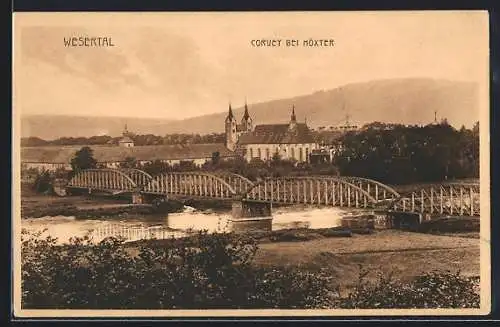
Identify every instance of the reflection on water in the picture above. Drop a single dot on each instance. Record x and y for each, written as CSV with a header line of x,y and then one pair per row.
x,y
139,227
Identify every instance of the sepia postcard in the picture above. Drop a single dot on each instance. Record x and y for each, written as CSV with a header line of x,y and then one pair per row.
x,y
256,164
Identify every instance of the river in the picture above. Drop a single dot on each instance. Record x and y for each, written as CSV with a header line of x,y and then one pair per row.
x,y
175,224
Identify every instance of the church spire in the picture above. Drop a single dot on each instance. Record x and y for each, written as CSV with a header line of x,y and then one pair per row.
x,y
230,115
293,120
246,115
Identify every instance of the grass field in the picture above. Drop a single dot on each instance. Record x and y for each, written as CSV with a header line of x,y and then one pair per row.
x,y
405,254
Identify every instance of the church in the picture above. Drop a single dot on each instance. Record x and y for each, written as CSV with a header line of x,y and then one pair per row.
x,y
292,140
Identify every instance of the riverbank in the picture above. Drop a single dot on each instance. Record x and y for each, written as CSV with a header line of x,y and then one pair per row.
x,y
84,207
405,255
78,206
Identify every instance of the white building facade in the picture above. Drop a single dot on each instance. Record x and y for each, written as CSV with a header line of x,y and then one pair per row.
x,y
291,141
299,152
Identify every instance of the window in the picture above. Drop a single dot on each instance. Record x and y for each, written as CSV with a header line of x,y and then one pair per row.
x,y
267,153
301,155
293,153
307,154
251,153
259,153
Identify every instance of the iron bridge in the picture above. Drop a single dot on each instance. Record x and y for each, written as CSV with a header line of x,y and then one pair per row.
x,y
336,191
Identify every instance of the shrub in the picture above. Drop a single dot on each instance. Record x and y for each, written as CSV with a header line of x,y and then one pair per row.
x,y
292,288
43,182
431,290
205,271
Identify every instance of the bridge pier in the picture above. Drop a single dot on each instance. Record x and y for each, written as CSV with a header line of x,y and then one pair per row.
x,y
405,220
251,216
137,198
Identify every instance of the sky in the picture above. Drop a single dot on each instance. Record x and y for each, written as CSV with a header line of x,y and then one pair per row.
x,y
180,65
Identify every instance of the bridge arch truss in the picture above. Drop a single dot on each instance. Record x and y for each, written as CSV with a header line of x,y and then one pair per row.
x,y
326,191
140,177
239,183
197,184
110,180
445,199
379,191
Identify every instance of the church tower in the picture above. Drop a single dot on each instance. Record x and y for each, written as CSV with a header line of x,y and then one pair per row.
x,y
126,141
230,128
246,121
293,119
125,131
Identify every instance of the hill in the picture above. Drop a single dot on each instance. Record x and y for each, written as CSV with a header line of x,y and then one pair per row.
x,y
50,127
408,101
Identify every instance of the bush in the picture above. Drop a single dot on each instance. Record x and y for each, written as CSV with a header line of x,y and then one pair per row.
x,y
205,271
292,288
43,182
431,290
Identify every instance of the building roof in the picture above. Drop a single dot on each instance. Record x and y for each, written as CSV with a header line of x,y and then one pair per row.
x,y
105,153
278,134
246,115
230,115
240,128
126,139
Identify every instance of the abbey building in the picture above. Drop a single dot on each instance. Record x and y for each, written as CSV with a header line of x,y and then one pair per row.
x,y
292,140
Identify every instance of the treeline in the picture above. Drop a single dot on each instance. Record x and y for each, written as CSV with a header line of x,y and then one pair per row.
x,y
405,155
395,155
146,139
254,170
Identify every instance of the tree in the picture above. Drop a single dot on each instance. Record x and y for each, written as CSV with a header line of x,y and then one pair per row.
x,y
32,141
43,182
276,157
83,159
156,167
475,128
215,157
444,121
410,154
130,162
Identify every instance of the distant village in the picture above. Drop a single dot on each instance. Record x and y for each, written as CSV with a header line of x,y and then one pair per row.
x,y
291,140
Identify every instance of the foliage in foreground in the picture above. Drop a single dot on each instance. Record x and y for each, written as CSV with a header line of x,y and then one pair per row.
x,y
205,271
431,290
